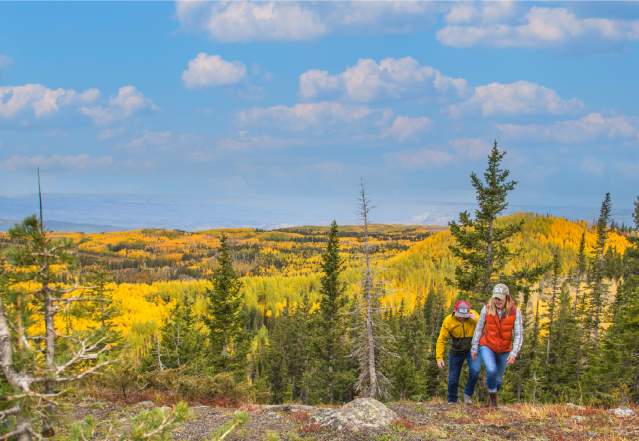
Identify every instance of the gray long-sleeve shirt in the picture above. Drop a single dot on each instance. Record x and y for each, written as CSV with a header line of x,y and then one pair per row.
x,y
518,331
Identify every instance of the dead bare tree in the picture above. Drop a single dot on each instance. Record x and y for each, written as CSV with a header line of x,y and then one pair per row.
x,y
370,347
42,263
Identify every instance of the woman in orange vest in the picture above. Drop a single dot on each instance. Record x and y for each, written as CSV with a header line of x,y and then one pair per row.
x,y
498,337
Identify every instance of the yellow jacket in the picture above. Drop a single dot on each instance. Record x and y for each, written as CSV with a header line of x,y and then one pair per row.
x,y
457,329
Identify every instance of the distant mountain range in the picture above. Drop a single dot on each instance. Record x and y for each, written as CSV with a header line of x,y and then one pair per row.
x,y
109,212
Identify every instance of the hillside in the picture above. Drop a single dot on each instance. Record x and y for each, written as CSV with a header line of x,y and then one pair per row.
x,y
282,266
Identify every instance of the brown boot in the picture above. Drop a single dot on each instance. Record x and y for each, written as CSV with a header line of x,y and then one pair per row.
x,y
492,399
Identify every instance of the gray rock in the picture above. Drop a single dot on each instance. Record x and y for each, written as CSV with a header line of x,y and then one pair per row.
x,y
144,405
578,419
623,412
361,414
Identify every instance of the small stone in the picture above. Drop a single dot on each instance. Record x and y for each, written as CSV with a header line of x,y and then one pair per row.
x,y
623,412
578,419
145,405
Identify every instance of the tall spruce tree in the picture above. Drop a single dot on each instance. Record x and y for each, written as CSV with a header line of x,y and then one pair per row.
x,y
481,244
330,317
226,321
618,370
598,286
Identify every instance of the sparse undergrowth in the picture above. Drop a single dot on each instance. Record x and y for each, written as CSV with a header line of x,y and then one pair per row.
x,y
416,421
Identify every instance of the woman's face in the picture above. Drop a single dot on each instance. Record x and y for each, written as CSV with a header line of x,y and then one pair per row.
x,y
499,303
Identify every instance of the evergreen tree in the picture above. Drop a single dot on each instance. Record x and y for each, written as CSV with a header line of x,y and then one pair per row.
x,y
181,341
560,367
598,286
618,370
433,313
481,244
226,322
552,305
330,317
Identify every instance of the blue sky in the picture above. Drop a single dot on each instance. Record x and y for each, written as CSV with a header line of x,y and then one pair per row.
x,y
196,114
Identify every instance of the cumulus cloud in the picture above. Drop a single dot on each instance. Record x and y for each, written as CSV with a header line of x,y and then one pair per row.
x,y
484,12
244,21
518,98
540,27
81,162
391,78
212,70
249,21
314,116
40,100
126,103
404,128
587,128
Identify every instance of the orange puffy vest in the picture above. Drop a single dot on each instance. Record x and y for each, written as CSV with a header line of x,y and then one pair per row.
x,y
498,333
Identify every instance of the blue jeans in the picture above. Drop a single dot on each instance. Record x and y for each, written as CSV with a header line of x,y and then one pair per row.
x,y
455,362
495,364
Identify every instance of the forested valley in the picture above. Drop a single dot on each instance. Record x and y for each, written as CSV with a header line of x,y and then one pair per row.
x,y
307,315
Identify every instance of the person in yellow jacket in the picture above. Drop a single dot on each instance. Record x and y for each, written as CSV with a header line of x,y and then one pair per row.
x,y
459,326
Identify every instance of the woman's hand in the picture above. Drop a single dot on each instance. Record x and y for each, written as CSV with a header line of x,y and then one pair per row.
x,y
511,359
473,355
440,364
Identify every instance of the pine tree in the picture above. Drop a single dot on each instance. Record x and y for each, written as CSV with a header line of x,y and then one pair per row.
x,y
481,244
330,317
552,306
598,286
181,341
618,370
226,322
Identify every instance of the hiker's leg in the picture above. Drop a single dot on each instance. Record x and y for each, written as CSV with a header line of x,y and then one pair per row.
x,y
455,362
488,358
474,367
501,358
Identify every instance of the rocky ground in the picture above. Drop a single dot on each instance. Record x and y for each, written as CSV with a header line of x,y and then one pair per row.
x,y
407,421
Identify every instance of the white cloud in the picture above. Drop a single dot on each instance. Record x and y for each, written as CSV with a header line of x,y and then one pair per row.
x,y
587,128
518,98
484,12
313,116
420,158
126,103
355,13
541,27
40,99
187,11
277,20
404,127
391,78
212,70
81,162
244,21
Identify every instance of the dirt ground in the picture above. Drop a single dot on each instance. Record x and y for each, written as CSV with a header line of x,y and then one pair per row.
x,y
416,421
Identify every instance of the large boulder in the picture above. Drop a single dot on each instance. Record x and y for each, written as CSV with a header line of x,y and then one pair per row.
x,y
361,414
